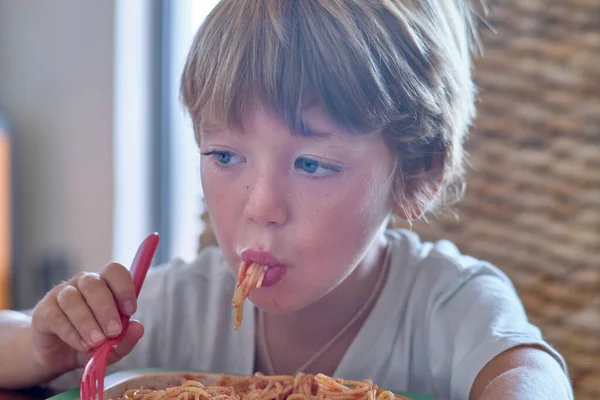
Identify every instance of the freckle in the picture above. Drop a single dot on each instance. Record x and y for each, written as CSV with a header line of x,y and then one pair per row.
x,y
247,187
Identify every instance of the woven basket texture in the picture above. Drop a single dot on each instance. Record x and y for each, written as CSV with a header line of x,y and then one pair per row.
x,y
532,205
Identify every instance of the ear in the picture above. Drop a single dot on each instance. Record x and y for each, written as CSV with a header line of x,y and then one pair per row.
x,y
419,191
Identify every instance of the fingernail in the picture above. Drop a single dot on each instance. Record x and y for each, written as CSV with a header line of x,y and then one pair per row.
x,y
113,327
128,307
84,345
96,336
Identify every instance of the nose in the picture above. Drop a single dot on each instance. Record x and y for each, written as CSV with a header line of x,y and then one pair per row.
x,y
266,203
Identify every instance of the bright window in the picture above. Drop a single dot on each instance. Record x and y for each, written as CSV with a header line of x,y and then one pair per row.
x,y
185,205
156,160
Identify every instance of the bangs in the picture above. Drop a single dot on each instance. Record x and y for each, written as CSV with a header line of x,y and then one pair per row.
x,y
279,54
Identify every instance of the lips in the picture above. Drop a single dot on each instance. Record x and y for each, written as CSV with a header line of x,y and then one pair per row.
x,y
262,257
275,269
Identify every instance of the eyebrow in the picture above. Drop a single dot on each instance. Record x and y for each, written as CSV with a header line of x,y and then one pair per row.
x,y
311,133
308,131
209,127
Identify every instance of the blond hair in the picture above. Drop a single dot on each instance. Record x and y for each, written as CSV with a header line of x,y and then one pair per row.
x,y
399,67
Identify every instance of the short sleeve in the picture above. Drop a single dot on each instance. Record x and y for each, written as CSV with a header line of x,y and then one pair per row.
x,y
475,317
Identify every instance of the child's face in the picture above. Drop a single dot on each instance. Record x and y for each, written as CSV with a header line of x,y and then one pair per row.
x,y
315,203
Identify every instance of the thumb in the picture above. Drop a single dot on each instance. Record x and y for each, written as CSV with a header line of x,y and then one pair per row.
x,y
134,333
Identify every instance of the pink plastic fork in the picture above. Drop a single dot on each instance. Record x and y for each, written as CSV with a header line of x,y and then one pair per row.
x,y
92,380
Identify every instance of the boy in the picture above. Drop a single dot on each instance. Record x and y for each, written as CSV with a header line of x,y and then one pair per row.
x,y
317,120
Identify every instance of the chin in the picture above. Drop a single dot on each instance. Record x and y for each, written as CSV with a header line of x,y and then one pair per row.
x,y
280,300
274,304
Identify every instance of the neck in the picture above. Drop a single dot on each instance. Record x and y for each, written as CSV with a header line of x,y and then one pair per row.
x,y
321,320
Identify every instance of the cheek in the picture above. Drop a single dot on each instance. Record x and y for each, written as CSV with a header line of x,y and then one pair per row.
x,y
219,197
340,225
210,188
375,200
355,204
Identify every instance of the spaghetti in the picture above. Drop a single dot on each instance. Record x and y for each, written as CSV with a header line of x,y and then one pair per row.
x,y
248,278
262,387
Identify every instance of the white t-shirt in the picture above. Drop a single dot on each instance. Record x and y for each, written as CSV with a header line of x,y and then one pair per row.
x,y
440,318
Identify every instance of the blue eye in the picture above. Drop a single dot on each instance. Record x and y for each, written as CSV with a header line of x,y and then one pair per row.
x,y
314,167
307,165
223,157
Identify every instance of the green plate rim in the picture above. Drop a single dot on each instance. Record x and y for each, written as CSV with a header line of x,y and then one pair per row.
x,y
73,394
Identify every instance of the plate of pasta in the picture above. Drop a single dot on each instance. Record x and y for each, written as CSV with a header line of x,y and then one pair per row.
x,y
152,384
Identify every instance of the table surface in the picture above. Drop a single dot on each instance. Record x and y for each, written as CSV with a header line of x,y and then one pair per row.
x,y
29,394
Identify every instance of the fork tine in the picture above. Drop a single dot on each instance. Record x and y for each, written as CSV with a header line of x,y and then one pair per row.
x,y
82,392
100,382
101,371
91,383
94,382
85,391
82,388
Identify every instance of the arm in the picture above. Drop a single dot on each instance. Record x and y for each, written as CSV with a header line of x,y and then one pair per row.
x,y
526,372
482,343
18,367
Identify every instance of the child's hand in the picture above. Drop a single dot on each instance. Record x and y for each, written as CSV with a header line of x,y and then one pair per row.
x,y
78,315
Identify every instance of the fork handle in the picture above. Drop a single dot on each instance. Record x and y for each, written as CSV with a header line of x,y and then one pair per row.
x,y
140,266
143,260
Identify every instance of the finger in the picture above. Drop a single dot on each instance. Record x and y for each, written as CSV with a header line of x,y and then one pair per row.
x,y
120,283
74,306
101,302
39,320
133,334
49,319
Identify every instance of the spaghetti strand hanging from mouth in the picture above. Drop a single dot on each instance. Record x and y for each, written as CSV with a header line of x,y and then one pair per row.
x,y
248,278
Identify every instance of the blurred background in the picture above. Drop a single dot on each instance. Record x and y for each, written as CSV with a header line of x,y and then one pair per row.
x,y
96,151
94,140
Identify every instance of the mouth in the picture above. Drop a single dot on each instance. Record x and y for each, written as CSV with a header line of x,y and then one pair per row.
x,y
274,269
262,257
